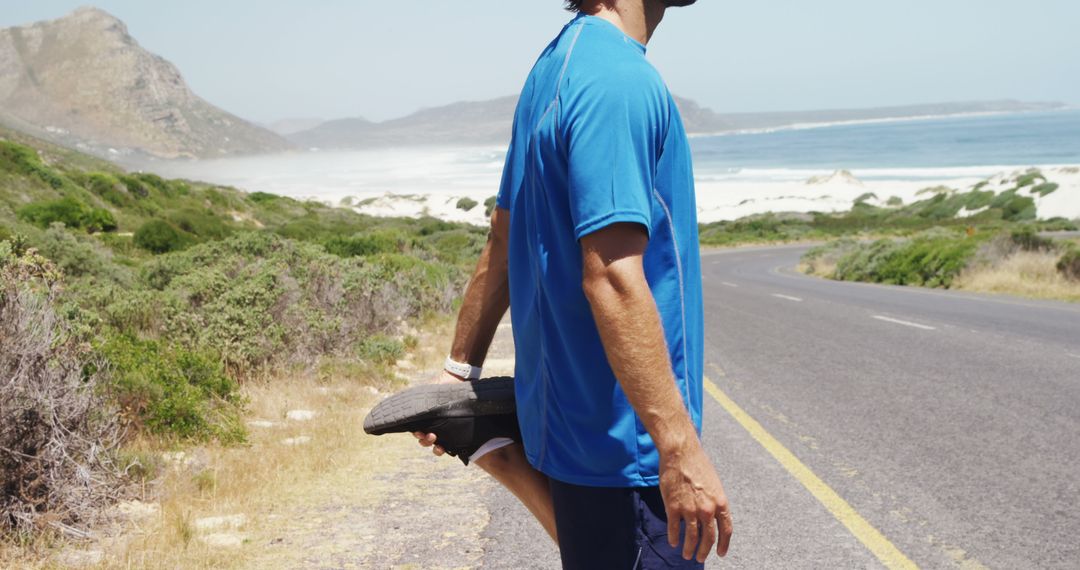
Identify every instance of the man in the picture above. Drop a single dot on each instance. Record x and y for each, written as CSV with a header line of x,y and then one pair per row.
x,y
594,246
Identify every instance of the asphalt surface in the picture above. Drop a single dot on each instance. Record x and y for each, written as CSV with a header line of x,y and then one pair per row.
x,y
948,421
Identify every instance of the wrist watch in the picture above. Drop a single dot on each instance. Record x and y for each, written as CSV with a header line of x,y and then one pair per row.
x,y
461,369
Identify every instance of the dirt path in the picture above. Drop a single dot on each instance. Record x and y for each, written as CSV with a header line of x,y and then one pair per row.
x,y
413,511
393,505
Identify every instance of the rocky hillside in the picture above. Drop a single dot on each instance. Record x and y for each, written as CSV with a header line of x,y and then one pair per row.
x,y
83,81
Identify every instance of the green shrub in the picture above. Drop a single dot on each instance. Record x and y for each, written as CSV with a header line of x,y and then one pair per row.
x,y
24,160
148,180
773,227
262,197
262,300
70,212
174,391
429,226
135,186
365,244
1029,178
67,211
456,246
380,349
74,256
895,201
1044,189
1069,264
490,205
467,204
99,220
5,234
933,261
157,236
107,187
200,222
1014,208
1027,239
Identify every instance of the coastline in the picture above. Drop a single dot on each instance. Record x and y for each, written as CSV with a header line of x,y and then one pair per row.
x,y
735,177
874,121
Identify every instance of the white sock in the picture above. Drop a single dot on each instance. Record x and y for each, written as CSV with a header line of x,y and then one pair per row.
x,y
491,445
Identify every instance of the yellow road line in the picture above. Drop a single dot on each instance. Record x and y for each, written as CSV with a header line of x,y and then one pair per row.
x,y
871,538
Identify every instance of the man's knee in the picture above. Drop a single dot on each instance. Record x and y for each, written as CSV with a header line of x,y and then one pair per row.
x,y
502,461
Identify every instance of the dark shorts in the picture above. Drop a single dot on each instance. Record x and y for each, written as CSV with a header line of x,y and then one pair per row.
x,y
616,528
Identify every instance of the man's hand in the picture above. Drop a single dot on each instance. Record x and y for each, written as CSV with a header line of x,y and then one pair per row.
x,y
428,439
694,497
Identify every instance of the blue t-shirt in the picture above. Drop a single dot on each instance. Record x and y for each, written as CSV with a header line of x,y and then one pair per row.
x,y
597,140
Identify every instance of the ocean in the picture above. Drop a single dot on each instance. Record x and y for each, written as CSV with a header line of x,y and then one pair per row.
x,y
973,145
941,149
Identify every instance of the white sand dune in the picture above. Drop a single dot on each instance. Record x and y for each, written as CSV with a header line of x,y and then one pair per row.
x,y
720,199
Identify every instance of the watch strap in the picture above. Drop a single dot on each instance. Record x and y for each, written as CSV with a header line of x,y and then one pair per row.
x,y
461,369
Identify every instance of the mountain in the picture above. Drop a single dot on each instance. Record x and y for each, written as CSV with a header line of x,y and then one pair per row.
x,y
83,81
293,125
468,122
489,122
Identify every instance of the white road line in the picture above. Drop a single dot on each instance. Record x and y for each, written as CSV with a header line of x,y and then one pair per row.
x,y
787,297
905,323
727,284
1073,355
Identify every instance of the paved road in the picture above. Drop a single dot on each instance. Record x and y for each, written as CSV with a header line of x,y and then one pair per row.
x,y
948,423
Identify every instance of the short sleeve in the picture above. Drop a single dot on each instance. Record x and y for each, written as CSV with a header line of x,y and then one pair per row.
x,y
612,131
514,167
511,176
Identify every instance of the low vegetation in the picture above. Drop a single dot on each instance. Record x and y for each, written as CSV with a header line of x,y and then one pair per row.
x,y
940,208
467,204
154,301
1017,261
1069,264
58,430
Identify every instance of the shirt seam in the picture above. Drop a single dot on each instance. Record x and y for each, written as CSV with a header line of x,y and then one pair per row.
x,y
682,297
598,222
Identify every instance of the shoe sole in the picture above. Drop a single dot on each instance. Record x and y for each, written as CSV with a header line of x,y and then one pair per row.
x,y
416,408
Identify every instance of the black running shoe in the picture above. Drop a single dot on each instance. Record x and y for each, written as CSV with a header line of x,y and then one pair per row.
x,y
464,415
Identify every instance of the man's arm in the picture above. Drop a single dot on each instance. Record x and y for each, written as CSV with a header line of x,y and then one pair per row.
x,y
486,300
633,336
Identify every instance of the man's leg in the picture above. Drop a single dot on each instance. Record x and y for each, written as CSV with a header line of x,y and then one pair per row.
x,y
613,527
509,467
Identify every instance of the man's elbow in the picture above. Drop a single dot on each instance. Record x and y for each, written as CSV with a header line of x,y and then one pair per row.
x,y
607,284
499,234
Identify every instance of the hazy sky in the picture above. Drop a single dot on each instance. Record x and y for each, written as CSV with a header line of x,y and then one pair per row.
x,y
269,59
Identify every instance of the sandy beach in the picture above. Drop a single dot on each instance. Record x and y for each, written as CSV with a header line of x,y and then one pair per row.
x,y
732,199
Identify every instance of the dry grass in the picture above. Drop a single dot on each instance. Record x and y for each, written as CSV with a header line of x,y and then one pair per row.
x,y
819,267
1026,274
254,480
